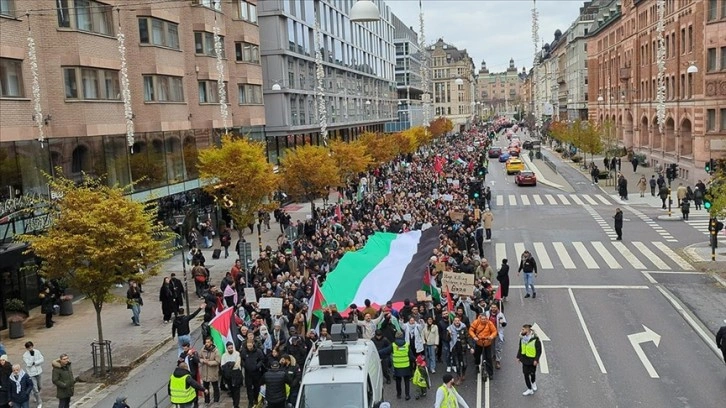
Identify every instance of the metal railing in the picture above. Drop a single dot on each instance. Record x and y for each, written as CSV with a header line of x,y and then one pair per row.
x,y
549,163
160,399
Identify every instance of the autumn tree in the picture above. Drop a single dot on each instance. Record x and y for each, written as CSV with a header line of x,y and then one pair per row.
x,y
717,190
406,141
608,136
351,158
381,147
238,175
422,135
308,172
440,126
590,139
99,237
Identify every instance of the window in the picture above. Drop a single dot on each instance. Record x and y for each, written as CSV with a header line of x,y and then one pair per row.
x,y
712,10
690,38
722,112
95,84
250,94
90,16
163,88
710,120
247,12
683,40
7,7
208,92
11,78
163,33
212,4
711,60
204,44
246,52
723,58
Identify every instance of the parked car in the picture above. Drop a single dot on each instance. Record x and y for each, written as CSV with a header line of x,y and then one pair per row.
x,y
514,151
527,144
495,152
525,178
514,165
504,157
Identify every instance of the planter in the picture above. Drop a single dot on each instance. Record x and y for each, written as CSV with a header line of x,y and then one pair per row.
x,y
16,329
66,307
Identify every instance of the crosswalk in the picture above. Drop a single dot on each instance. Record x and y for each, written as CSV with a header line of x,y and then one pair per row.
x,y
649,221
699,221
513,200
594,255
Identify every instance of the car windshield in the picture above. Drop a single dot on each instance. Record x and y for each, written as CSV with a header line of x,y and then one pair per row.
x,y
345,395
526,173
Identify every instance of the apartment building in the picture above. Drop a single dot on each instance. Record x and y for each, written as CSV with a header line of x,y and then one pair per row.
x,y
358,63
172,74
499,92
409,80
453,83
623,72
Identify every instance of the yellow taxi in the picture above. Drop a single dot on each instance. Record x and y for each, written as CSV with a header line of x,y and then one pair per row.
x,y
514,165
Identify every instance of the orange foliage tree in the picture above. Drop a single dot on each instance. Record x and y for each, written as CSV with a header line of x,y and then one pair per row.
x,y
351,158
440,126
382,148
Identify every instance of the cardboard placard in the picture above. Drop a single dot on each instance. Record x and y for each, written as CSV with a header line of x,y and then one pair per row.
x,y
457,215
422,296
272,303
455,184
440,266
458,283
250,295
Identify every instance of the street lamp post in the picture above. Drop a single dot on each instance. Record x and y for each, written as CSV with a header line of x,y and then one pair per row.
x,y
180,225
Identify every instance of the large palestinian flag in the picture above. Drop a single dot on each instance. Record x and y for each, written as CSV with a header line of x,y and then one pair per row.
x,y
389,267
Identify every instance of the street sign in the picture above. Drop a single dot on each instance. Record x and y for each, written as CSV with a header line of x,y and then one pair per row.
x,y
543,366
291,233
637,339
245,253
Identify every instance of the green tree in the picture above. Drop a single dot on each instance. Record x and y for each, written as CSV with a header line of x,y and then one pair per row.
x,y
590,139
717,190
98,237
238,175
609,137
308,172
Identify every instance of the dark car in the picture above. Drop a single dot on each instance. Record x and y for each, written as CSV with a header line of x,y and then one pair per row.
x,y
504,157
494,152
525,178
527,145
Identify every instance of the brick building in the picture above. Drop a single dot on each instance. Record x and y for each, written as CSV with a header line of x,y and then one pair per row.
x,y
453,83
622,73
500,92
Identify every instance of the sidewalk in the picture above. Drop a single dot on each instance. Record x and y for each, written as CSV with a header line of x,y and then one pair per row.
x,y
130,345
546,175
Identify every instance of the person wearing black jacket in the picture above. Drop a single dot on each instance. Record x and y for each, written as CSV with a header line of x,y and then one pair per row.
x,y
293,372
383,345
721,340
275,380
183,370
529,266
180,327
528,353
191,358
254,363
387,327
503,279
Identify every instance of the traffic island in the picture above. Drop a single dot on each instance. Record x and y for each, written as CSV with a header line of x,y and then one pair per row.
x,y
671,217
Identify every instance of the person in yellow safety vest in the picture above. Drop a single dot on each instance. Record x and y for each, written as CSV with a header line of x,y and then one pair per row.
x,y
183,388
447,396
530,348
401,359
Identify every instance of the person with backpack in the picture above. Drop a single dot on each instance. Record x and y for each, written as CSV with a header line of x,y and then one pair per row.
x,y
225,238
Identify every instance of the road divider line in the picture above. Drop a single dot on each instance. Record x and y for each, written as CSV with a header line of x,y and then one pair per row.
x,y
638,287
587,332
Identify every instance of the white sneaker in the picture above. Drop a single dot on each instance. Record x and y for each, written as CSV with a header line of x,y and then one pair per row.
x,y
454,369
528,392
448,369
433,371
534,386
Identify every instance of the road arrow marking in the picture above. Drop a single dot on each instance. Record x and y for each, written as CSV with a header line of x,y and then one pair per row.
x,y
543,366
637,339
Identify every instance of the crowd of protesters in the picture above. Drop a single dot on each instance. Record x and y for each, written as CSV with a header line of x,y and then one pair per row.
x,y
416,191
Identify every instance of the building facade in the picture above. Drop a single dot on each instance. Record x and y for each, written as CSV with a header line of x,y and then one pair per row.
x,y
576,93
409,81
453,83
499,92
358,72
172,74
623,82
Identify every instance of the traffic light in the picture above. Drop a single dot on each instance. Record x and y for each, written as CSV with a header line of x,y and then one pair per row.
x,y
710,166
475,190
669,173
707,200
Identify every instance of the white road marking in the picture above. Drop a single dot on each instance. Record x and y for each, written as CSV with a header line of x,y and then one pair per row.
x,y
585,255
576,199
500,251
578,287
518,249
543,258
603,199
512,199
563,255
551,199
590,200
636,339
674,256
564,199
543,365
587,332
500,200
650,255
632,259
538,199
600,248
525,200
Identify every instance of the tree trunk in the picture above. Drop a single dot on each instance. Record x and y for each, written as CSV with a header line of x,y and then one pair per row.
x,y
99,325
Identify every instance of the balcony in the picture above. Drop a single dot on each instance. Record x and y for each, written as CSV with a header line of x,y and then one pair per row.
x,y
561,78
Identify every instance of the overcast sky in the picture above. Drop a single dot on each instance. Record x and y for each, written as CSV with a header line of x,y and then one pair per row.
x,y
492,30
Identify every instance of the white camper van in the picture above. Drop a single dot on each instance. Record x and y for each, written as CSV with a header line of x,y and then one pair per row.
x,y
343,374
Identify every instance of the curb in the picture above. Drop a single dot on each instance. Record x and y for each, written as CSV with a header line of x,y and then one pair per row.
x,y
541,179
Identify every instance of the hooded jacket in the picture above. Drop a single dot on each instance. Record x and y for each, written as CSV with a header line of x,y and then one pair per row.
x,y
33,363
181,372
120,403
20,388
210,367
63,379
275,379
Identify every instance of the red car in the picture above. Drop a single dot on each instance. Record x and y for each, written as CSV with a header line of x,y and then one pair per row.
x,y
525,178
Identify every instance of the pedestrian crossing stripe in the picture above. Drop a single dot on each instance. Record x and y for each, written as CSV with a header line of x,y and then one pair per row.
x,y
550,199
596,255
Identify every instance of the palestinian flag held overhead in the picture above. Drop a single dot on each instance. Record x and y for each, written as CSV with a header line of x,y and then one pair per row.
x,y
315,307
430,288
387,268
221,329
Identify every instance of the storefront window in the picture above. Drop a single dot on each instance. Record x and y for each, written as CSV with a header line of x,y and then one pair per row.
x,y
174,161
9,171
148,169
190,154
117,160
33,160
272,152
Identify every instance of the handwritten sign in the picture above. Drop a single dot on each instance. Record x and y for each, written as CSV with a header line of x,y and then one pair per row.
x,y
250,295
422,296
275,304
458,283
457,215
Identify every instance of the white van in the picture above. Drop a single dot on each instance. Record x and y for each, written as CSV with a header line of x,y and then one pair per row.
x,y
343,375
